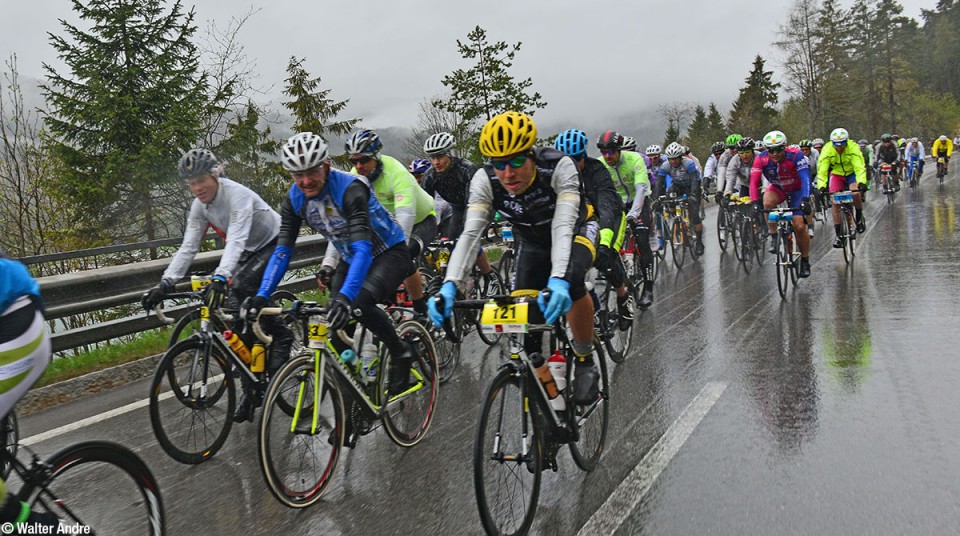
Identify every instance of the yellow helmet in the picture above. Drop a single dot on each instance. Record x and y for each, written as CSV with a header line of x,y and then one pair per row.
x,y
506,134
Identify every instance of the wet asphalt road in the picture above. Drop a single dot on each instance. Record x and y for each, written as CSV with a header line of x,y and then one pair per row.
x,y
837,411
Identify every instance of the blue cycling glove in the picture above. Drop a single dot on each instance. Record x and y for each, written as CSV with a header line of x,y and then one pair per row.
x,y
560,301
448,292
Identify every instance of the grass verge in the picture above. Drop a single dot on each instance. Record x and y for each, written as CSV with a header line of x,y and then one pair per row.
x,y
63,368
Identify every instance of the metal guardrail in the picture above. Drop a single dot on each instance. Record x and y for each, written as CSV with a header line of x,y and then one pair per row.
x,y
107,250
93,290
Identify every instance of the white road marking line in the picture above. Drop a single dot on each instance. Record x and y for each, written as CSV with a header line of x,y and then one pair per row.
x,y
621,503
100,417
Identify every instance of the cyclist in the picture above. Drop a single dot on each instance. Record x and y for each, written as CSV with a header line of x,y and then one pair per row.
x,y
25,345
631,177
868,157
817,144
711,171
602,195
914,152
723,162
842,162
681,176
737,180
888,154
399,193
788,173
450,178
629,144
653,153
538,191
689,154
942,147
249,228
373,251
418,167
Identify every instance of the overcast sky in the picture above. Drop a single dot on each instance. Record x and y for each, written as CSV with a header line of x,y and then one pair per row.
x,y
588,60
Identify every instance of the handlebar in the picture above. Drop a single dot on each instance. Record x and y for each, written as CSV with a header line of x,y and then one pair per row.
x,y
299,310
189,295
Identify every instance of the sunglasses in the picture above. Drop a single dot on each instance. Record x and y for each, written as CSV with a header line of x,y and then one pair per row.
x,y
775,150
839,143
361,160
608,152
514,162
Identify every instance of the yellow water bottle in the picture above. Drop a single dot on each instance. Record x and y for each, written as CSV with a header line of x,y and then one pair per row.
x,y
234,341
259,358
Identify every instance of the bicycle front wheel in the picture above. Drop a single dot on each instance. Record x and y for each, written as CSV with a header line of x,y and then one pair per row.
x,y
194,425
506,266
747,244
299,449
507,458
616,341
591,420
9,438
723,229
494,288
848,230
99,485
783,265
677,237
407,415
189,324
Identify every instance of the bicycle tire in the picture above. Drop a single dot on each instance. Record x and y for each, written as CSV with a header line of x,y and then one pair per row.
x,y
736,223
847,215
586,453
285,299
423,401
278,447
448,352
677,243
494,288
115,507
747,244
189,324
783,265
507,384
760,239
506,267
723,231
9,441
660,232
610,331
190,394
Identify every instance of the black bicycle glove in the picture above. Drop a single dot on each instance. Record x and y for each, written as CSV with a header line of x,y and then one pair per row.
x,y
254,306
214,293
338,312
325,276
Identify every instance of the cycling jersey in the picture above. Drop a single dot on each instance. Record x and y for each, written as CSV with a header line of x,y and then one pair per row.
x,y
738,175
236,213
545,216
833,163
915,150
602,194
868,155
453,184
888,154
352,220
790,175
696,162
722,163
24,344
684,174
711,168
399,193
941,147
630,177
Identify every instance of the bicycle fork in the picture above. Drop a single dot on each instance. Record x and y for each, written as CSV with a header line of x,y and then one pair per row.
x,y
318,372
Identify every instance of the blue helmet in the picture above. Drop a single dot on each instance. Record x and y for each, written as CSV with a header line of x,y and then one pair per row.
x,y
421,165
363,142
572,142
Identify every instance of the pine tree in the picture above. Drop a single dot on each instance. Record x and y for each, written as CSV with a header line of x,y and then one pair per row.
x,y
313,110
753,112
672,134
128,106
699,136
245,153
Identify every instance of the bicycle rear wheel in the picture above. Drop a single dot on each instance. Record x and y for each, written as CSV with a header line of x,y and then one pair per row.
x,y
506,266
507,458
408,415
297,459
194,425
677,243
99,485
592,420
723,229
848,231
735,238
747,244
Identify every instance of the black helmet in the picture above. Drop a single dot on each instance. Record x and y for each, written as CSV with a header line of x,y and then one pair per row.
x,y
745,144
196,162
610,140
718,147
886,137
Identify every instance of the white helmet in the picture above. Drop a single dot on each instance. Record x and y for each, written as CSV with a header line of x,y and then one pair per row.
x,y
629,144
943,138
775,138
304,151
439,143
758,146
839,135
653,150
674,150
817,142
914,140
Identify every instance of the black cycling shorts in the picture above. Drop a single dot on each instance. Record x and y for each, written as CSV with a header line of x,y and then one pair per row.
x,y
533,262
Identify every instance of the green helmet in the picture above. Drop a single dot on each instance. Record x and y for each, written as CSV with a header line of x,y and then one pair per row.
x,y
733,139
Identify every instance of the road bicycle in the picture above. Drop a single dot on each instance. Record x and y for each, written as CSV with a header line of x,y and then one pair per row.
x,y
198,373
606,317
847,222
521,429
788,255
476,286
724,224
749,235
913,173
630,256
93,487
888,180
681,234
320,402
445,341
941,168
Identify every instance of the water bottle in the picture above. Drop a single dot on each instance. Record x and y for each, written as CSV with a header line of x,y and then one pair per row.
x,y
316,332
558,369
234,341
259,359
368,358
543,374
349,358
